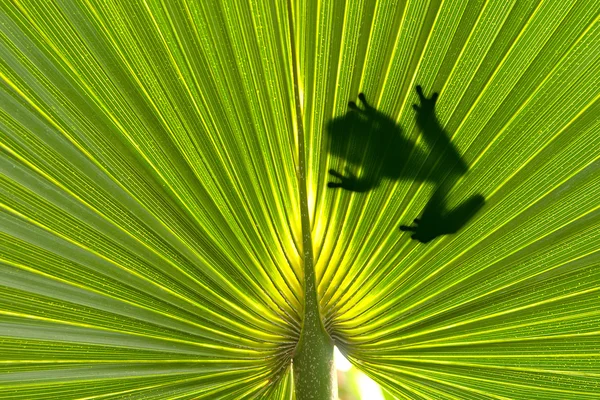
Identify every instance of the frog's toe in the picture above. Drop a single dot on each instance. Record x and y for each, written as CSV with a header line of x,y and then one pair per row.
x,y
406,228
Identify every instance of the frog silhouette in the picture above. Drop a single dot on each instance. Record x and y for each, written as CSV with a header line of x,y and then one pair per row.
x,y
372,141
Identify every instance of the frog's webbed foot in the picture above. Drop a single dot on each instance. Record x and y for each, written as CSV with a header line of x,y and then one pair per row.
x,y
410,228
427,104
353,106
434,222
423,231
349,182
346,182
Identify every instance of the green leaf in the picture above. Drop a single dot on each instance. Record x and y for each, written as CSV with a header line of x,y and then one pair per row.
x,y
163,190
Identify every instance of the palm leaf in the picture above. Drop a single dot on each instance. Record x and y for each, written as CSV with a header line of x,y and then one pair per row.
x,y
165,164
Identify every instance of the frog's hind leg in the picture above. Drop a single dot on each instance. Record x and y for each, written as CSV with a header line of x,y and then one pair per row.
x,y
426,171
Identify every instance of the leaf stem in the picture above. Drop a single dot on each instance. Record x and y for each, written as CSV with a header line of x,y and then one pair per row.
x,y
313,358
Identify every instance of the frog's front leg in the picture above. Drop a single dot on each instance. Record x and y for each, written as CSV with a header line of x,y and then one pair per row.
x,y
350,182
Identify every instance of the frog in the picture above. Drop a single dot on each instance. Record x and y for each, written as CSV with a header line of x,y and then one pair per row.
x,y
371,140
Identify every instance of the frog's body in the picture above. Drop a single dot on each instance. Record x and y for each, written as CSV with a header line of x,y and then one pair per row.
x,y
373,140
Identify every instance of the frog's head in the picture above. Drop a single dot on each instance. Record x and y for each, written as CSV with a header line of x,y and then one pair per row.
x,y
348,136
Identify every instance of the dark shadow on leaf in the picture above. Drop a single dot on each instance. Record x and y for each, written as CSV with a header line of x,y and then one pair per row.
x,y
367,138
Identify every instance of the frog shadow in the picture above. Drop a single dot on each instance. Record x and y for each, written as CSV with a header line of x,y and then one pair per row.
x,y
368,139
